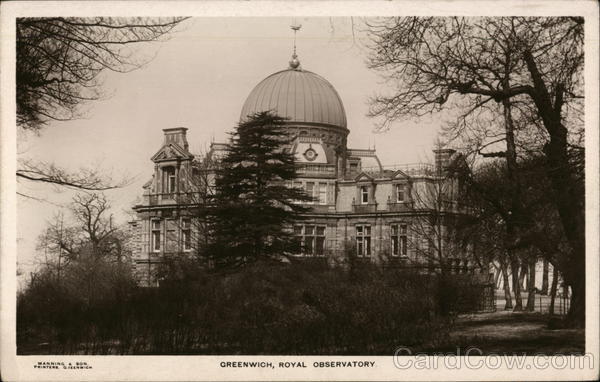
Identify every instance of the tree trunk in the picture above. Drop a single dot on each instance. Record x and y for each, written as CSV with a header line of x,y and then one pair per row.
x,y
553,289
576,314
545,272
516,285
506,282
514,213
522,276
531,287
568,191
497,275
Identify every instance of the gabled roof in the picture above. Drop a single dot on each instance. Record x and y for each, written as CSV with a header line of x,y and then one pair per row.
x,y
171,151
399,174
364,176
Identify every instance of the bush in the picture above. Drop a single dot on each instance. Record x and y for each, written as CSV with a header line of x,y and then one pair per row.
x,y
74,311
266,308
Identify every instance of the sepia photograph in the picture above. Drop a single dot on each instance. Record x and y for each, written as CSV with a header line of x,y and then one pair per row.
x,y
323,186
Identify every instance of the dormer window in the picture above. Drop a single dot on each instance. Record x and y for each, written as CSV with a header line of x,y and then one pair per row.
x,y
364,194
354,165
400,193
169,180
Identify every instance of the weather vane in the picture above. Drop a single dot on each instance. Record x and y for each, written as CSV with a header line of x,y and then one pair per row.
x,y
295,27
295,63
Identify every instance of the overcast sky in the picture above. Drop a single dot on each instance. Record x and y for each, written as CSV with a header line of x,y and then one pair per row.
x,y
200,79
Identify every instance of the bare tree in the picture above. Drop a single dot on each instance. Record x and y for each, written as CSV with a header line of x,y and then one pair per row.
x,y
195,223
59,60
486,230
542,237
59,65
89,231
439,236
85,258
57,246
468,64
491,199
89,179
434,234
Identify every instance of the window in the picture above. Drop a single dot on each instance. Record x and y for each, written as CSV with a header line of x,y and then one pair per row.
x,y
322,193
364,194
169,179
320,241
298,237
186,234
310,189
297,185
171,239
330,193
400,195
363,240
403,240
155,235
399,240
311,238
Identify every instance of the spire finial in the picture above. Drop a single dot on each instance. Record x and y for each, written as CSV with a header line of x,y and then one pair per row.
x,y
295,63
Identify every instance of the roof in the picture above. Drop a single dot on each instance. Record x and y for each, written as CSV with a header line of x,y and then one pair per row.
x,y
299,95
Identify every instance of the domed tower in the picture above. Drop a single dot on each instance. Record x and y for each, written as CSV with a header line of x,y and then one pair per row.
x,y
316,119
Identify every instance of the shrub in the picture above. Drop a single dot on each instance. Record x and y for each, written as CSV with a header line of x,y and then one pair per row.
x,y
265,308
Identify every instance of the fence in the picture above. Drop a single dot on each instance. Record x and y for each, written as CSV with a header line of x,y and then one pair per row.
x,y
487,301
476,298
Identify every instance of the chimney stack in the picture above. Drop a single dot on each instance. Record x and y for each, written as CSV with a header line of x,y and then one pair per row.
x,y
177,135
442,159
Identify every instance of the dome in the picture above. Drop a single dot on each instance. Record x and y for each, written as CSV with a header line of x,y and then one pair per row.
x,y
299,95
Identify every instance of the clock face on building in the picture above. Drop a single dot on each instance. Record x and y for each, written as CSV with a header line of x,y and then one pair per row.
x,y
310,154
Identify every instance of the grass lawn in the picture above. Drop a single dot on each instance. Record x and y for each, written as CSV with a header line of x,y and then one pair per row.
x,y
507,332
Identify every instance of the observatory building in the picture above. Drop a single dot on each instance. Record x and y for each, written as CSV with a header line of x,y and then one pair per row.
x,y
360,208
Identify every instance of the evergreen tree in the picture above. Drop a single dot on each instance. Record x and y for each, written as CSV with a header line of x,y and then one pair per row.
x,y
254,206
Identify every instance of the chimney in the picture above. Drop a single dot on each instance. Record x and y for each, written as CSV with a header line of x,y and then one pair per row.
x,y
176,135
442,159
